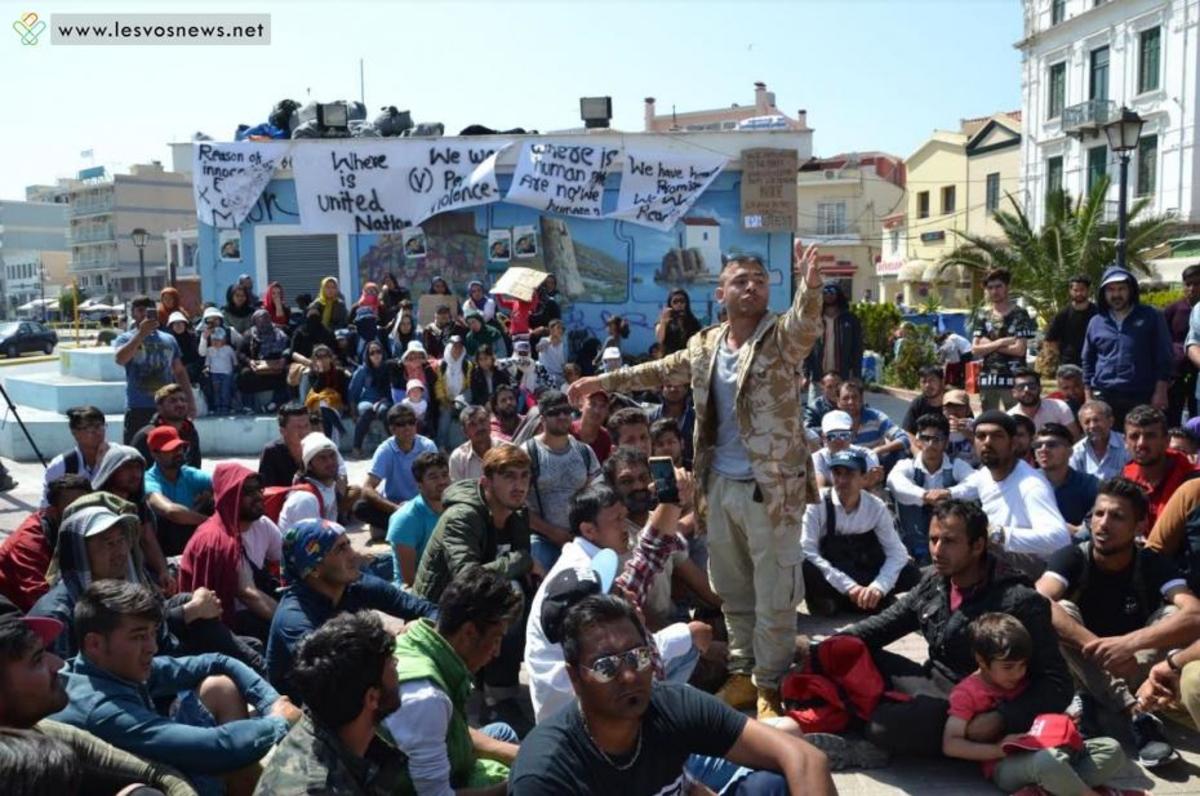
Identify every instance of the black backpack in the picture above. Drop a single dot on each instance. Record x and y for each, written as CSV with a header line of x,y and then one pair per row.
x,y
531,450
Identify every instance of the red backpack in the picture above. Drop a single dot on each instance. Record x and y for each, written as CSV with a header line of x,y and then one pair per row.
x,y
275,496
839,685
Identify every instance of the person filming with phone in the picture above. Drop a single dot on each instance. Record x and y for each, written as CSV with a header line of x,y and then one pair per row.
x,y
151,359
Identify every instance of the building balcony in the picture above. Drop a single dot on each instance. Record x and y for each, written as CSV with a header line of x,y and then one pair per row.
x,y
1088,117
94,263
92,206
98,234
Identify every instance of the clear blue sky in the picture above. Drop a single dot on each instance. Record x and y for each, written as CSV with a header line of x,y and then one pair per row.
x,y
872,75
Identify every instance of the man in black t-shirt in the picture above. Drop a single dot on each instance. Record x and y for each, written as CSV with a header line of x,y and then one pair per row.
x,y
630,736
1000,334
1116,609
1069,327
933,390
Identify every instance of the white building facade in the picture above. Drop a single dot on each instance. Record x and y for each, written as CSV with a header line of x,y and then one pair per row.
x,y
1083,60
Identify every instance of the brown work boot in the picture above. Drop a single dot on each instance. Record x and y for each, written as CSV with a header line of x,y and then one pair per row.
x,y
769,705
738,692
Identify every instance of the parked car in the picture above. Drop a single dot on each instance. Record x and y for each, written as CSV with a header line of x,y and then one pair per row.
x,y
17,337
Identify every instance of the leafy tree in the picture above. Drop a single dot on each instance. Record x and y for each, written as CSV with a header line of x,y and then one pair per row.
x,y
67,301
878,321
1075,239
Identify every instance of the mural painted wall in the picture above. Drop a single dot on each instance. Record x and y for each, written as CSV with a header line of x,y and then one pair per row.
x,y
604,267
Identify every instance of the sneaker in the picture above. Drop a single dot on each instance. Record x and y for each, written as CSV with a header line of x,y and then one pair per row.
x,y
846,753
739,692
1074,711
769,705
1153,749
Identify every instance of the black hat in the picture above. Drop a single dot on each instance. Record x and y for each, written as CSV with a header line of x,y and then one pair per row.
x,y
563,592
997,418
552,400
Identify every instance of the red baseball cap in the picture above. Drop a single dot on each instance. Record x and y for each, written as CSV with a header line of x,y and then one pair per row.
x,y
46,628
1049,731
164,439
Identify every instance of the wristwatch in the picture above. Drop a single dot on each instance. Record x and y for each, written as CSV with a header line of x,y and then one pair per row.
x,y
1171,660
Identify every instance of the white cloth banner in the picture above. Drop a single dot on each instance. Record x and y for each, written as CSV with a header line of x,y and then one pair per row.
x,y
227,179
361,186
562,177
659,186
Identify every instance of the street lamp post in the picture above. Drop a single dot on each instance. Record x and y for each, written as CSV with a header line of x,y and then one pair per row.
x,y
1123,133
139,237
42,277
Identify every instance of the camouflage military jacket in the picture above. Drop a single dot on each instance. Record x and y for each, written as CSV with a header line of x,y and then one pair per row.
x,y
311,759
770,403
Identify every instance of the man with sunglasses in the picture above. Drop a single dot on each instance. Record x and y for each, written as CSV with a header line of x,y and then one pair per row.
x,y
179,495
630,735
914,482
1000,334
1074,492
837,431
1027,392
392,466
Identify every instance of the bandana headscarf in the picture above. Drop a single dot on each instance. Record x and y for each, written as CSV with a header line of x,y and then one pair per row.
x,y
367,299
164,312
326,304
278,313
306,544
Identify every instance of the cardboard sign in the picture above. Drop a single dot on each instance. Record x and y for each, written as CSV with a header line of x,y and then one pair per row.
x,y
427,307
227,179
769,190
519,282
361,186
563,177
659,186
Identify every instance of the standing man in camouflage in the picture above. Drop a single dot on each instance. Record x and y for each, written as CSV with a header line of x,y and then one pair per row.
x,y
753,466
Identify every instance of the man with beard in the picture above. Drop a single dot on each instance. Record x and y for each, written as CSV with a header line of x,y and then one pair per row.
x,y
346,675
840,346
1000,334
1127,349
232,552
525,373
1102,451
1109,607
466,461
965,583
151,359
505,416
1070,387
172,411
827,400
25,554
1069,327
180,495
1153,466
628,734
436,662
1177,314
933,391
31,688
627,472
1027,392
1074,492
122,472
1018,500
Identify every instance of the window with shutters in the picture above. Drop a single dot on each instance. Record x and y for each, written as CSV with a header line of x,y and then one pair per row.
x,y
1149,47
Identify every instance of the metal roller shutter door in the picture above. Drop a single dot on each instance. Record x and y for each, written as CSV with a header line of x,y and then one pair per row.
x,y
300,262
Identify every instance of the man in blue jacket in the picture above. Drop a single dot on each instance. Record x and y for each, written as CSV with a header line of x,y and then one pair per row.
x,y
114,682
1127,354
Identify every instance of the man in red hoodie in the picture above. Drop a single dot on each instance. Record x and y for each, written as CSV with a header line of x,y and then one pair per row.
x,y
236,552
1154,467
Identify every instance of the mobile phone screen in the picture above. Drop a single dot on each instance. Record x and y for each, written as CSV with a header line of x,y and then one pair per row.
x,y
662,470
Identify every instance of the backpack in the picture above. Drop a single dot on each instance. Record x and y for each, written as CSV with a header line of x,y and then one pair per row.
x,y
839,686
275,496
531,450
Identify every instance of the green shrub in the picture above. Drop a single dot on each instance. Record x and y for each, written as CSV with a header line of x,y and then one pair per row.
x,y
878,321
917,350
1162,297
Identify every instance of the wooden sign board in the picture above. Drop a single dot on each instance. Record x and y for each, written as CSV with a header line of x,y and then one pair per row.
x,y
519,282
769,190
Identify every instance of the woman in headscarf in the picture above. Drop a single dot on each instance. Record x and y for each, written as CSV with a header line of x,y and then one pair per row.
x,y
369,298
189,345
267,366
677,323
404,331
370,393
454,377
168,302
390,296
414,364
334,314
311,334
328,385
239,310
480,301
276,306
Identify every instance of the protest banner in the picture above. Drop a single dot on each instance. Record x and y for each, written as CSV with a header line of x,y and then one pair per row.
x,y
227,179
362,186
566,178
659,186
519,282
769,190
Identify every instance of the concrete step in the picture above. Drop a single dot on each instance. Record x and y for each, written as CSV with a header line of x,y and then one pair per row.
x,y
58,392
240,435
96,364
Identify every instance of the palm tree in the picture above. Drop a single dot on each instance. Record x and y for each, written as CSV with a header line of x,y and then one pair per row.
x,y
1075,239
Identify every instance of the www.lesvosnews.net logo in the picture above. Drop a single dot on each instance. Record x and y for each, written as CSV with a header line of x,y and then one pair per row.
x,y
29,28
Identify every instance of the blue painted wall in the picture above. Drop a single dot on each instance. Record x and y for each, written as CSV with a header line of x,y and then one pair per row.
x,y
619,261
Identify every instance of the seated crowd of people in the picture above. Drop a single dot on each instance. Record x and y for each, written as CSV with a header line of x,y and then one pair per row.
x,y
216,632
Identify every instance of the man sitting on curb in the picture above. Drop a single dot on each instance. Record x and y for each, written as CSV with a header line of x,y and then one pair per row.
x,y
314,495
1108,610
436,662
172,405
965,583
325,580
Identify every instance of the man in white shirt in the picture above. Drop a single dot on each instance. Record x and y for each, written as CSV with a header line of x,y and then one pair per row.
x,y
552,352
466,461
853,556
913,482
314,497
87,426
1102,451
1027,391
1019,502
598,523
837,431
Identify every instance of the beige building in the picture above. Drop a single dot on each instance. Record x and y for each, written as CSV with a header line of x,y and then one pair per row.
x,y
842,201
761,115
105,211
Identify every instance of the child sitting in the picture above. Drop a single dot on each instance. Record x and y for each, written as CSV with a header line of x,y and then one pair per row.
x,y
414,398
221,362
1051,756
